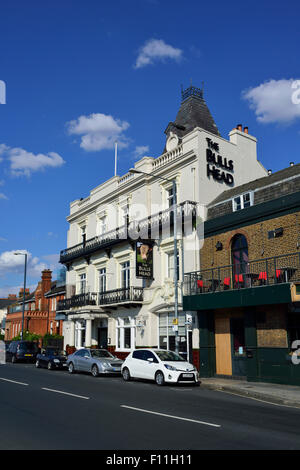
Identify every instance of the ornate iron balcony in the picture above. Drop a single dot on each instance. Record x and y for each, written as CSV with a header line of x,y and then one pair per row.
x,y
80,300
120,296
146,226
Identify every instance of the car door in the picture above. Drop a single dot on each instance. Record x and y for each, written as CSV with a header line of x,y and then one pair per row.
x,y
150,365
76,359
9,353
136,367
43,358
83,360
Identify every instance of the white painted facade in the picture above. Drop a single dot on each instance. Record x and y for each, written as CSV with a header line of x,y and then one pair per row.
x,y
145,323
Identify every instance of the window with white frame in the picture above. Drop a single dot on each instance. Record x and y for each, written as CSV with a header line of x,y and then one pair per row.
x,y
170,197
123,214
170,265
102,280
82,283
102,225
82,233
125,334
243,201
125,274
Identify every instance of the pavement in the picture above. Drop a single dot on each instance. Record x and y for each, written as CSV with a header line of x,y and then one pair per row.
x,y
288,395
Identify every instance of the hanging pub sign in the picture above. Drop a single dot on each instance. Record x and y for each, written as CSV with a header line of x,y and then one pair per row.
x,y
144,260
217,166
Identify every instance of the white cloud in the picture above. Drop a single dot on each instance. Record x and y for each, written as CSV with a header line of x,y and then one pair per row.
x,y
11,263
140,151
99,131
274,101
23,162
2,196
156,50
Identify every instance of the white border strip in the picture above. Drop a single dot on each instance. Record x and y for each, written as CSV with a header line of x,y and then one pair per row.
x,y
170,416
65,393
13,381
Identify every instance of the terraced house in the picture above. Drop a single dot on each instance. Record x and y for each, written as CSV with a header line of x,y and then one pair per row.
x,y
247,292
121,280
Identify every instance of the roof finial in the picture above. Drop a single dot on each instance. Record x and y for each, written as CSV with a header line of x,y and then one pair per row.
x,y
191,91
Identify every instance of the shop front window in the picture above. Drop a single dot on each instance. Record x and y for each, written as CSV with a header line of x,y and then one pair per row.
x,y
167,332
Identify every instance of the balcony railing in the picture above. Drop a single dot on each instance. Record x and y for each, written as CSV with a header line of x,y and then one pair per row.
x,y
80,300
116,296
262,272
123,295
145,226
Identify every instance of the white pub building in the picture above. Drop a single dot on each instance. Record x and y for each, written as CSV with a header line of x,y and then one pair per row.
x,y
120,245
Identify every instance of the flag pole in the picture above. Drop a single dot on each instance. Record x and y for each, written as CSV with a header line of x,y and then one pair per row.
x,y
116,156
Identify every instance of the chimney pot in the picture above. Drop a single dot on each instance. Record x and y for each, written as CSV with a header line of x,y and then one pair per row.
x,y
291,163
239,127
246,130
269,172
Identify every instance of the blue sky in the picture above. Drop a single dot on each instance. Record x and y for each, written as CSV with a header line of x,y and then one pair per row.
x,y
80,74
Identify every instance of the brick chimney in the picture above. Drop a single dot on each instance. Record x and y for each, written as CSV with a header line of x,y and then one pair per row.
x,y
27,292
46,280
12,296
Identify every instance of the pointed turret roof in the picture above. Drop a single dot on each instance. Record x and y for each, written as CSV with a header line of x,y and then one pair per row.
x,y
192,113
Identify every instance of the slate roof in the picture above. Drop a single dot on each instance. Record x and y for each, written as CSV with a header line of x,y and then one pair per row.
x,y
259,183
192,113
5,302
55,289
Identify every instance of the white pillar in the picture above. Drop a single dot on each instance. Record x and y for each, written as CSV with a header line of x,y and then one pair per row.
x,y
72,334
88,333
79,336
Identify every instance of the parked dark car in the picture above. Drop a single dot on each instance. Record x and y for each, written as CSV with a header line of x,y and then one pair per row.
x,y
52,358
24,351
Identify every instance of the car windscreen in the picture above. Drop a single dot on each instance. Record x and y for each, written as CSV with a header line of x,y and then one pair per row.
x,y
53,352
169,356
101,353
32,347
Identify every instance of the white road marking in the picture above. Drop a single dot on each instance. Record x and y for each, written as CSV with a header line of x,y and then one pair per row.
x,y
170,416
13,381
257,399
65,393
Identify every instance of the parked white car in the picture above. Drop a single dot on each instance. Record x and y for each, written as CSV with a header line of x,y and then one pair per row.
x,y
160,365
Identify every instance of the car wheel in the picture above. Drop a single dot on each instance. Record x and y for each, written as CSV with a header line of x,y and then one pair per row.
x,y
37,364
13,359
95,371
159,378
49,366
126,374
71,368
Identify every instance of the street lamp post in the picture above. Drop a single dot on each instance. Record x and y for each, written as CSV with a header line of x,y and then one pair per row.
x,y
23,307
175,249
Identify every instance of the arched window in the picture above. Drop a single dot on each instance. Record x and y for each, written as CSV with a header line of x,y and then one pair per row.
x,y
239,253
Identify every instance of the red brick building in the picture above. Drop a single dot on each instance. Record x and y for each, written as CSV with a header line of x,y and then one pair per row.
x,y
40,309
